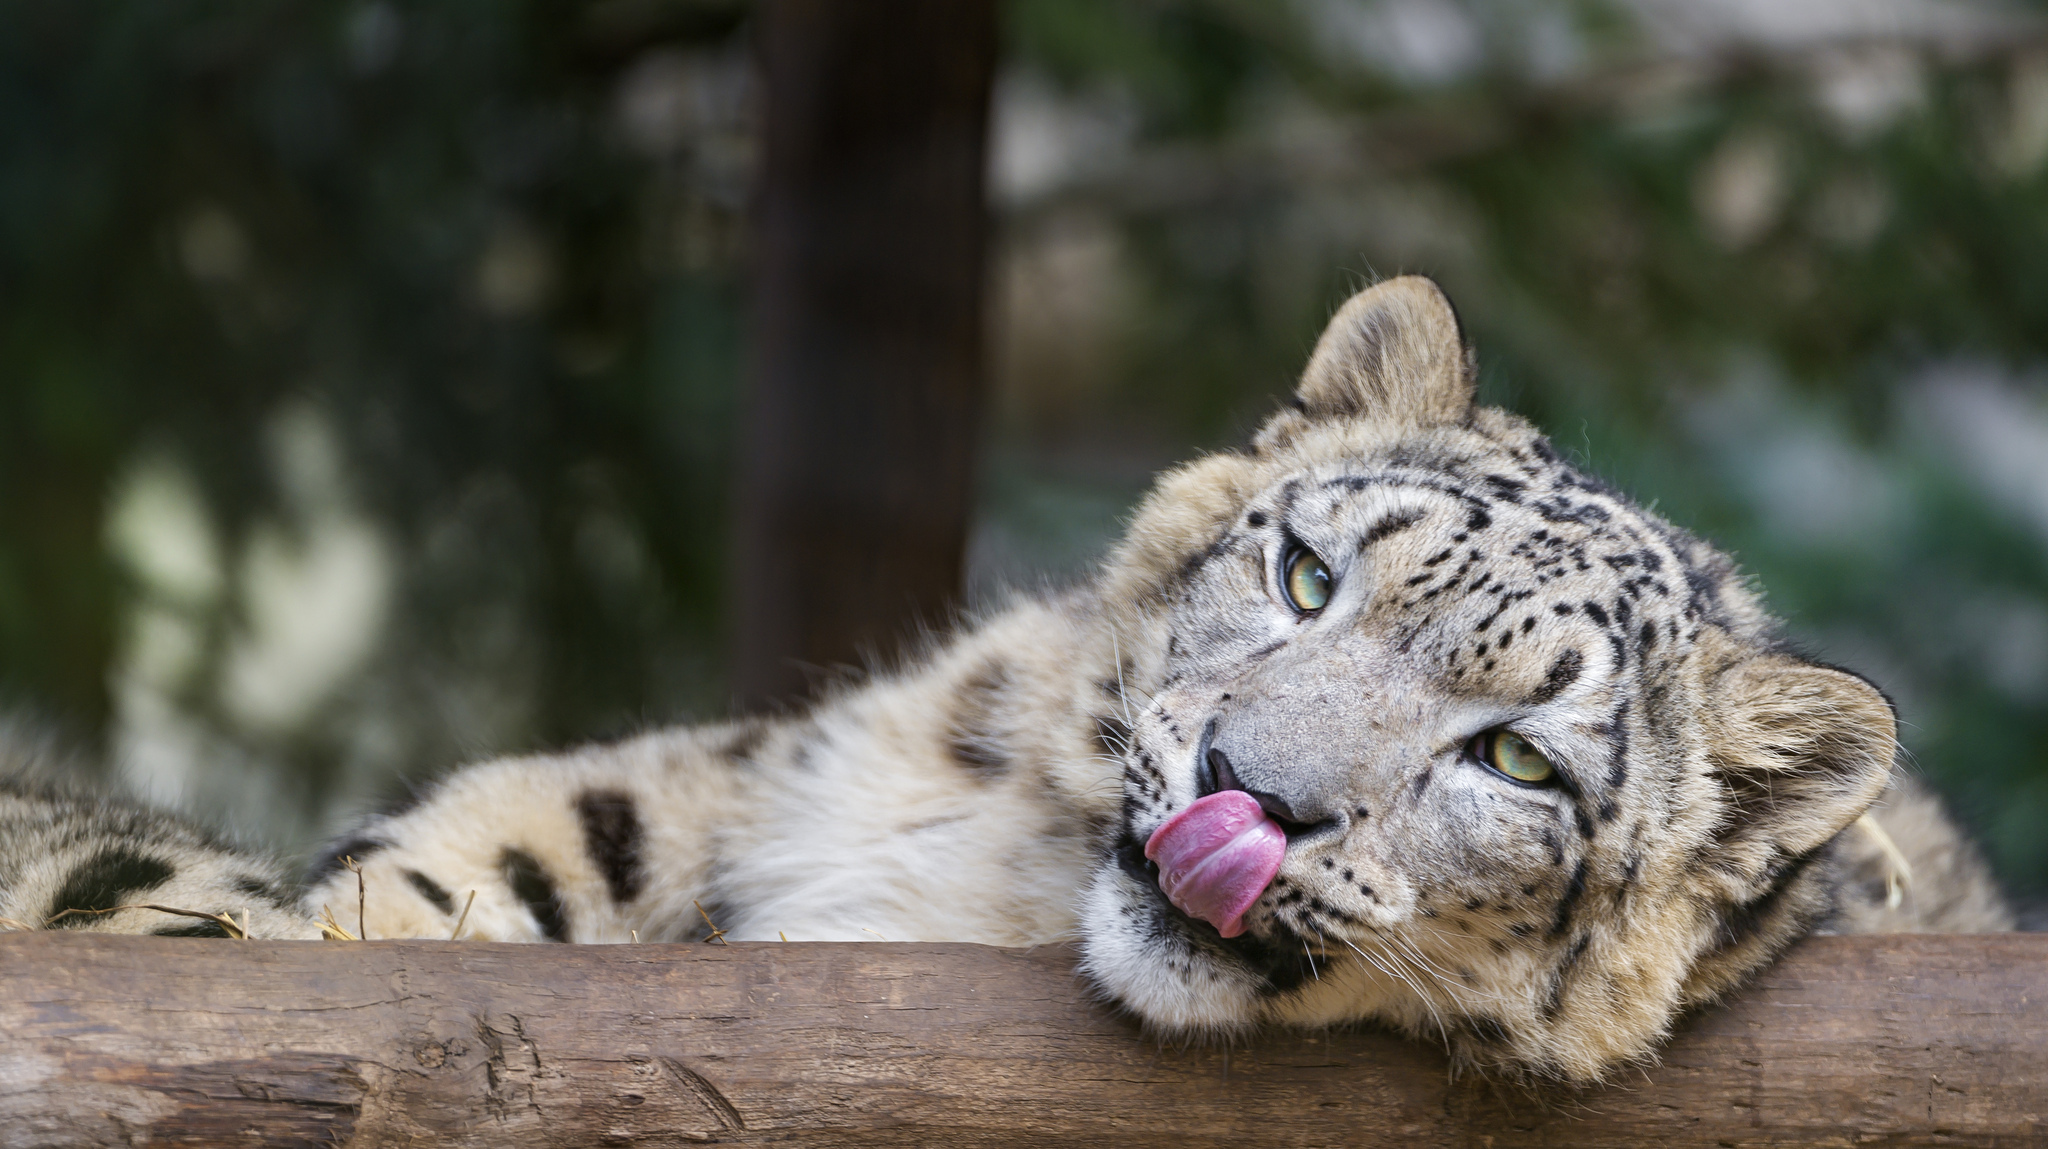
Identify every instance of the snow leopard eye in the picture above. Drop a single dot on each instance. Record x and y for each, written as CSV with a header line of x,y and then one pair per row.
x,y
1513,756
1308,581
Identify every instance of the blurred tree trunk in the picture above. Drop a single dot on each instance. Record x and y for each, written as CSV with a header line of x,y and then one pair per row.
x,y
861,413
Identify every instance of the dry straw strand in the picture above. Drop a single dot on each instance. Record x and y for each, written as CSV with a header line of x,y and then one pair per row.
x,y
456,933
717,935
362,895
331,930
238,930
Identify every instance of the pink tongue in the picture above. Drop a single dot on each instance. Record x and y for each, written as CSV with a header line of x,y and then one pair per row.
x,y
1217,856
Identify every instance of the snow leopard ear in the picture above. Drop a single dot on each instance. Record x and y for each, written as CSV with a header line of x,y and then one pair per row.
x,y
1801,751
1393,352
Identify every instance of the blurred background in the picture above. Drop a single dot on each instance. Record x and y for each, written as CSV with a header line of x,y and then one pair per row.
x,y
371,371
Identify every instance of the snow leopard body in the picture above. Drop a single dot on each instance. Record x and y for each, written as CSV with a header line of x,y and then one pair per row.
x,y
1715,794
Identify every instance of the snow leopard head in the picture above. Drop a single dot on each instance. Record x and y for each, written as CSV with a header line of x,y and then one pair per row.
x,y
1532,771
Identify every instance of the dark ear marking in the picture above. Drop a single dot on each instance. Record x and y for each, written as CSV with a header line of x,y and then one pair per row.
x,y
612,837
532,885
1800,750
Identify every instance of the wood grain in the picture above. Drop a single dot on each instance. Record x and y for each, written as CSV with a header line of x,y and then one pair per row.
x,y
1910,1040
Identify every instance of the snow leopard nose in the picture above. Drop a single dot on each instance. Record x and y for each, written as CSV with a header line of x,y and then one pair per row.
x,y
1215,773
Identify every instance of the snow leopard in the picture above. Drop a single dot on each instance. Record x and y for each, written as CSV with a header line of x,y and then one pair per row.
x,y
1394,716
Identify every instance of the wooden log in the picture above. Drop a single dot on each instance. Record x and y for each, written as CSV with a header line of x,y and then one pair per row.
x,y
1905,1040
864,394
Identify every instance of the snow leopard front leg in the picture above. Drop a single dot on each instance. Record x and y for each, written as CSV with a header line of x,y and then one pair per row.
x,y
600,844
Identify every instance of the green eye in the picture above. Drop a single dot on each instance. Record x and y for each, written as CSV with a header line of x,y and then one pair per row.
x,y
1514,756
1308,581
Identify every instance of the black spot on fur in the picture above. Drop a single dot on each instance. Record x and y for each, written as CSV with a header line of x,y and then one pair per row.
x,y
359,847
431,890
972,737
531,884
1572,889
1504,488
1617,758
612,835
258,888
1562,673
1743,922
1256,519
747,740
104,881
1704,599
1553,1001
1422,781
1477,519
1595,612
195,930
1391,525
1195,562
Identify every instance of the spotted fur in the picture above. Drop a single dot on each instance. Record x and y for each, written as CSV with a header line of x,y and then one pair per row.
x,y
1708,807
71,862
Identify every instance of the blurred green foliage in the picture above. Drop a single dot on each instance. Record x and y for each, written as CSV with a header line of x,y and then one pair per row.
x,y
1793,292
429,234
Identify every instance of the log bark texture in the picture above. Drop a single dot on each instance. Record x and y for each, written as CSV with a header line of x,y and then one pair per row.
x,y
1912,1040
